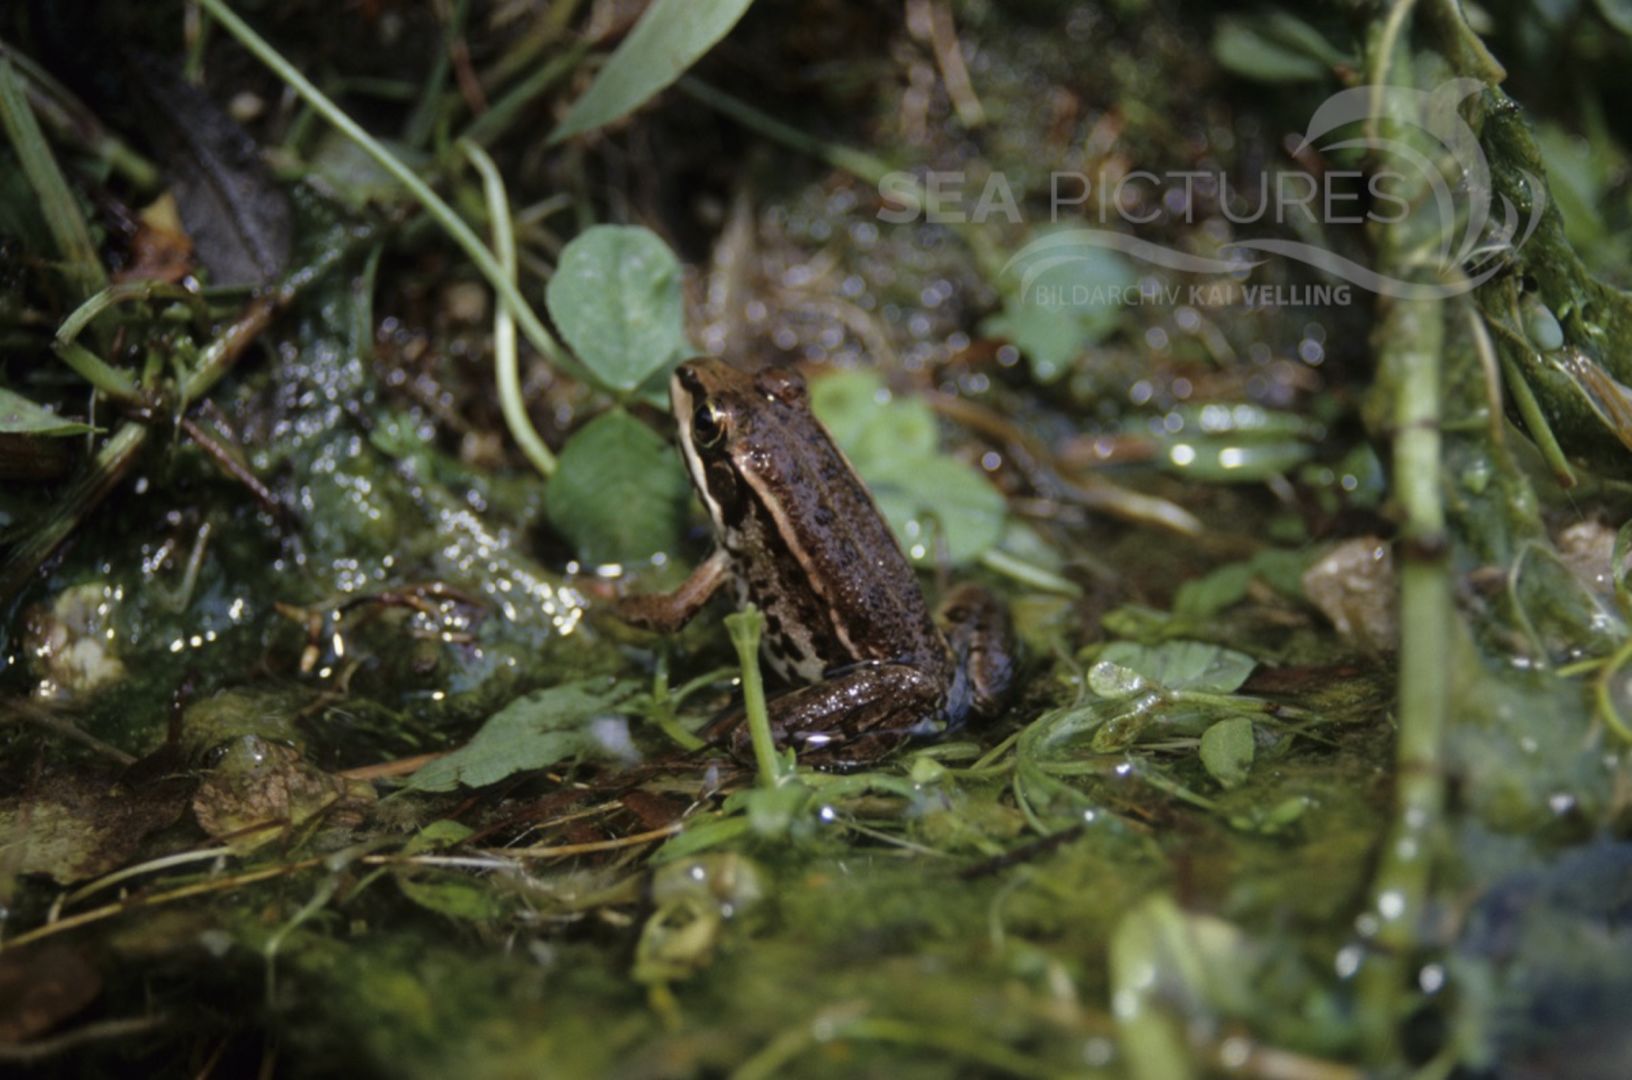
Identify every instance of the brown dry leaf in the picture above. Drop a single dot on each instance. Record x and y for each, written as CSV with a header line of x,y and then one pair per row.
x,y
160,250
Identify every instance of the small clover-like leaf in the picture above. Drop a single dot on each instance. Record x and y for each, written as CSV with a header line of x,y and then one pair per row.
x,y
615,297
937,505
1057,302
869,422
1110,680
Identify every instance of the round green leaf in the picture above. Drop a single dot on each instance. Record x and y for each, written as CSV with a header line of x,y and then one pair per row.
x,y
1226,750
929,501
615,297
868,422
619,494
925,495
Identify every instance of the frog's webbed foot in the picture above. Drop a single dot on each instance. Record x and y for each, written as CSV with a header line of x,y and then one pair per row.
x,y
851,719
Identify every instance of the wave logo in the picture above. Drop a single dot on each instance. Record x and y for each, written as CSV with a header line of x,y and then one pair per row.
x,y
1441,164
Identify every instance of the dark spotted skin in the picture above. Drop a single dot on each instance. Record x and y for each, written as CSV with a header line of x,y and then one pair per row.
x,y
801,538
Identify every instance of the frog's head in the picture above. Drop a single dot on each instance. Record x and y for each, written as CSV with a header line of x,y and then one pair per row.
x,y
738,429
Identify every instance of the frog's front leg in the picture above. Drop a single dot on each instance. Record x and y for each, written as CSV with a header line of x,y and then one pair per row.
x,y
665,613
853,717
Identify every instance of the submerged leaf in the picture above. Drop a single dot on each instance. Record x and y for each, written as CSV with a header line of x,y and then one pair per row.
x,y
532,732
671,36
456,897
1235,443
1059,301
616,299
939,508
868,421
618,492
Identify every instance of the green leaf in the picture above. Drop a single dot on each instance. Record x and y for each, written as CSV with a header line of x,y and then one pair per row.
x,y
438,835
1204,597
1054,314
1183,665
1272,51
938,505
702,834
532,732
348,172
457,897
1110,680
615,297
869,422
20,416
1226,750
670,37
927,497
619,493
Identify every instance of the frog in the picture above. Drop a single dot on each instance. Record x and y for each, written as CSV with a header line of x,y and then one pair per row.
x,y
798,536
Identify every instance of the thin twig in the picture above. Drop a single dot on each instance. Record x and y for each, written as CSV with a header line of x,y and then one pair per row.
x,y
107,881
108,911
563,850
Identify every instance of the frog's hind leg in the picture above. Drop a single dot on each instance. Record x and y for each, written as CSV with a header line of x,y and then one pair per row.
x,y
849,720
977,628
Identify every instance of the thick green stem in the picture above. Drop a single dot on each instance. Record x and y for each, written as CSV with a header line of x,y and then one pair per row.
x,y
745,628
1410,351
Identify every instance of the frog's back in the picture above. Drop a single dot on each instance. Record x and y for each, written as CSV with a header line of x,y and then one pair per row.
x,y
837,588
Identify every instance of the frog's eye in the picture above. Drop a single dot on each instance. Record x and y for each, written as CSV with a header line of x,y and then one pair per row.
x,y
708,425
